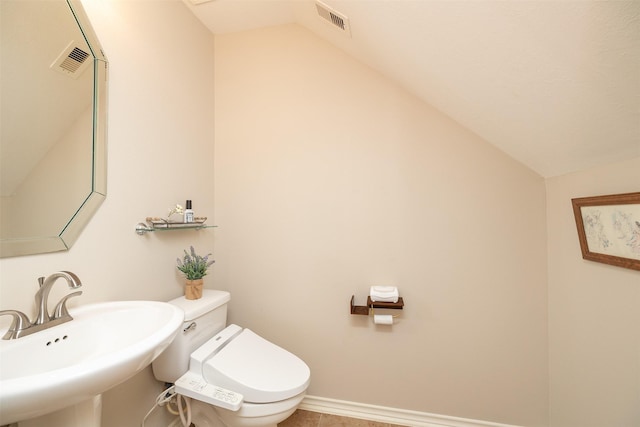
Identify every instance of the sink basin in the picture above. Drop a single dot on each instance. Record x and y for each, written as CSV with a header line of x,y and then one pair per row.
x,y
104,345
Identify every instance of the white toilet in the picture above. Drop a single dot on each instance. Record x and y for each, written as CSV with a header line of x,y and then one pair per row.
x,y
271,381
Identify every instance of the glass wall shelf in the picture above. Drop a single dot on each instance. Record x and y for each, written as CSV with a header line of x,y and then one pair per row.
x,y
161,224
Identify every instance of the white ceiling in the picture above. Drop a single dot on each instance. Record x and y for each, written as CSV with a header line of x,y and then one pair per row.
x,y
555,84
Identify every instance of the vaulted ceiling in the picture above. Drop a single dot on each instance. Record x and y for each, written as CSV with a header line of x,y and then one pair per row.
x,y
554,84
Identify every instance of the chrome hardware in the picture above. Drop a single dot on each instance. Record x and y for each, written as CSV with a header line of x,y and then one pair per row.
x,y
43,293
60,311
21,326
190,328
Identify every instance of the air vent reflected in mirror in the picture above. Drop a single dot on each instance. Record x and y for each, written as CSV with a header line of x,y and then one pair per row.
x,y
72,61
334,17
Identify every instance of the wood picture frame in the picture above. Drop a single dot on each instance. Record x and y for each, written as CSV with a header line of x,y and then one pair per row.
x,y
609,228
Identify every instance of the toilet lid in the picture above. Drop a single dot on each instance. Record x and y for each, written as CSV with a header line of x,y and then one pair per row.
x,y
258,369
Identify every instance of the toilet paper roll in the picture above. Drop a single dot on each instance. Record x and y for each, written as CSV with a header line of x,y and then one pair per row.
x,y
383,319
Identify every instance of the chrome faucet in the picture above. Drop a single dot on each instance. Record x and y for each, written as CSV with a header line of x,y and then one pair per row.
x,y
21,326
43,294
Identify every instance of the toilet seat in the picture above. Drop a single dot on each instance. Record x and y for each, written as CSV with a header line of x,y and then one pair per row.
x,y
258,369
259,410
249,415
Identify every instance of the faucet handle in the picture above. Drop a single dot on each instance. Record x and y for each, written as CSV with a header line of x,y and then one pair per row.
x,y
40,281
61,308
19,324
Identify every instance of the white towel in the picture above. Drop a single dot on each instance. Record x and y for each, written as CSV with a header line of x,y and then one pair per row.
x,y
384,294
384,289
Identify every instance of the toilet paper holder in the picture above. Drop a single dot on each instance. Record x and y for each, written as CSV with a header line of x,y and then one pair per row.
x,y
365,309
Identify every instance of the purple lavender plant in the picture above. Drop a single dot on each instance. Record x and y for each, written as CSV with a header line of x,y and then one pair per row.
x,y
194,266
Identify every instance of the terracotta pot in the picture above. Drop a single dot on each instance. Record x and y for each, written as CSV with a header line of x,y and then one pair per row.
x,y
193,289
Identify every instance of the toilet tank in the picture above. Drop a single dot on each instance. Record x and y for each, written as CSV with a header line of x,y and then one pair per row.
x,y
203,318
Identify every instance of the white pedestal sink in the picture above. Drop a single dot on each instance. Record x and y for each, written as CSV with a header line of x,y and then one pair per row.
x,y
63,370
85,414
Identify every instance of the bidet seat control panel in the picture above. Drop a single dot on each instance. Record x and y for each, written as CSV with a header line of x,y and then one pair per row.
x,y
194,386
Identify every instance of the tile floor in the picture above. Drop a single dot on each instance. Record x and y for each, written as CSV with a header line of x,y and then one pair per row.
x,y
302,418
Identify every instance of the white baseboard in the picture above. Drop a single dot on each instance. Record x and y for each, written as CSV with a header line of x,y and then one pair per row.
x,y
382,414
385,414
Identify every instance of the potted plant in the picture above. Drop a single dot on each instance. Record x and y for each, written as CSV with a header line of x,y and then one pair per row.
x,y
194,267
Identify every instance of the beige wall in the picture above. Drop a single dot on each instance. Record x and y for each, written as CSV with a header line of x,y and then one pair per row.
x,y
160,153
329,179
594,313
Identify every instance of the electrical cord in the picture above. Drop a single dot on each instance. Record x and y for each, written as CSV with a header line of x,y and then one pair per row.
x,y
186,420
169,397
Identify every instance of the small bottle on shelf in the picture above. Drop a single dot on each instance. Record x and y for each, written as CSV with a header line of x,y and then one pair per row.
x,y
188,212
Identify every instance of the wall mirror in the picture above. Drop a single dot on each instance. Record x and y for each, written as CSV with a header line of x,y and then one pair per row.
x,y
53,91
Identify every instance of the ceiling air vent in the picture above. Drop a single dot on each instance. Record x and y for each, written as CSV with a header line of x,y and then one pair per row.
x,y
72,61
335,18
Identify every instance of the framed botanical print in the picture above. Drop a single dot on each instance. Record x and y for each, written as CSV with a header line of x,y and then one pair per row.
x,y
609,228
